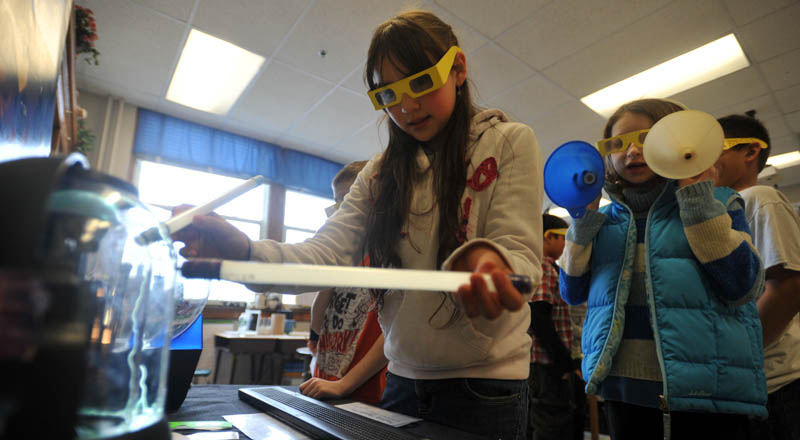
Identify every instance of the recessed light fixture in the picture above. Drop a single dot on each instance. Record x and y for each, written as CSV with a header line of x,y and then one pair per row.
x,y
211,73
699,66
784,160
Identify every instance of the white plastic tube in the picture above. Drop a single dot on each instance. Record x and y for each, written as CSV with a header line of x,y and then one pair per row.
x,y
184,219
320,276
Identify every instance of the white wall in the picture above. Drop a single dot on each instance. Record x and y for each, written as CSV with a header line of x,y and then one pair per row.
x,y
113,122
95,107
793,194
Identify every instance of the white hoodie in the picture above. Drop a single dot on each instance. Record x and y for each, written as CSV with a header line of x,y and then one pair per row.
x,y
504,211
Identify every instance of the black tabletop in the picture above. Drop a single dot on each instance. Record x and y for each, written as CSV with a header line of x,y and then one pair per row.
x,y
211,402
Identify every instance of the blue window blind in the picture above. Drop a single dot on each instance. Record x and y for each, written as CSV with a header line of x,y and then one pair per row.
x,y
177,141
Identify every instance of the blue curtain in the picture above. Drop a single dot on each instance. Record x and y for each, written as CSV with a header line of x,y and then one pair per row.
x,y
193,145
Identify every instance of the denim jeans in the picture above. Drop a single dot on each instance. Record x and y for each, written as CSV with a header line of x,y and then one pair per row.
x,y
784,415
493,408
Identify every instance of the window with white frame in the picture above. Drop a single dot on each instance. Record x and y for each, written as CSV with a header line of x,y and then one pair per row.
x,y
163,187
303,215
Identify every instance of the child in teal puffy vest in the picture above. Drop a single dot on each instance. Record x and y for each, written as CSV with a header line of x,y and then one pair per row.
x,y
672,339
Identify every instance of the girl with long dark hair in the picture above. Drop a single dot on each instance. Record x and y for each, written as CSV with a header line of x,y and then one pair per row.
x,y
455,189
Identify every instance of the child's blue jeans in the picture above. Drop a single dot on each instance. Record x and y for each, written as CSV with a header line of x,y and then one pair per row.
x,y
497,409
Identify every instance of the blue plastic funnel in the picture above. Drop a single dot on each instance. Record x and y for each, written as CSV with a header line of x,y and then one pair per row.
x,y
573,176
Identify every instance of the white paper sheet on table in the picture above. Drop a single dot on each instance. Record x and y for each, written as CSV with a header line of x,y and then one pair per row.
x,y
379,415
226,435
261,426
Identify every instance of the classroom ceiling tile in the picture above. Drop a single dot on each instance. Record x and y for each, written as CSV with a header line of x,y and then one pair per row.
x,y
177,9
484,64
710,96
545,55
782,71
789,98
793,119
777,126
564,27
590,133
342,30
494,18
566,122
784,144
682,26
367,142
772,35
104,88
138,47
745,11
789,176
355,81
765,107
469,39
531,99
340,114
280,97
256,25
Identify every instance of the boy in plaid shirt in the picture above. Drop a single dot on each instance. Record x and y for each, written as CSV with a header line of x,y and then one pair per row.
x,y
550,381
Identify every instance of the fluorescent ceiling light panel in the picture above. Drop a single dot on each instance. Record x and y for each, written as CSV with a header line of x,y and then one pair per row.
x,y
784,160
211,73
704,64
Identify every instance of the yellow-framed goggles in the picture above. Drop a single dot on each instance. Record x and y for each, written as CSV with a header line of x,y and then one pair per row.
x,y
732,142
559,231
416,85
621,142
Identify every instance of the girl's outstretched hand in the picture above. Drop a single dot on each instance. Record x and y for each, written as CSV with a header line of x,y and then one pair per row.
x,y
211,236
475,296
323,389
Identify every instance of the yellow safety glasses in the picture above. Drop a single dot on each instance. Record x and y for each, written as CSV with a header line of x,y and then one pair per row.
x,y
561,231
416,85
732,142
621,142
